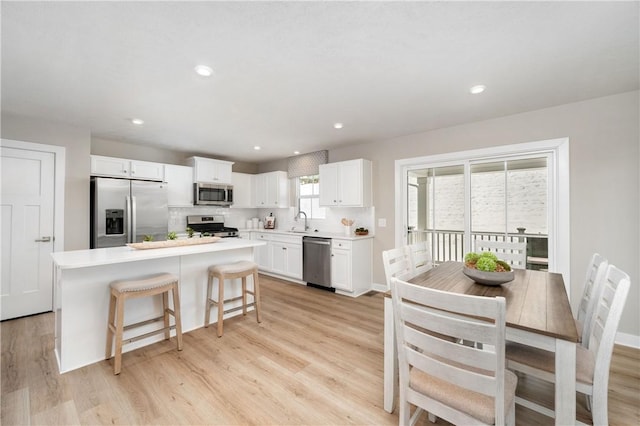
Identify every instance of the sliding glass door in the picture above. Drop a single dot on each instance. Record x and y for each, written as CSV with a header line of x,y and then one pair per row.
x,y
501,199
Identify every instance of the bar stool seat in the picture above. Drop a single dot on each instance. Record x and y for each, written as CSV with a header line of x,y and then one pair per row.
x,y
229,271
122,290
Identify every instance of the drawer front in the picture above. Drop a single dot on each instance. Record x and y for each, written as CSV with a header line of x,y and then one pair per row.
x,y
260,236
341,244
287,239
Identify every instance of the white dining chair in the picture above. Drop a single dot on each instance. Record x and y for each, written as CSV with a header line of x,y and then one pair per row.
x,y
396,264
592,362
420,257
593,284
512,252
458,383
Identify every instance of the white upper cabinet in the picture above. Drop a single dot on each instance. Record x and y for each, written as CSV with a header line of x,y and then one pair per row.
x,y
271,190
242,190
180,185
207,170
346,183
124,168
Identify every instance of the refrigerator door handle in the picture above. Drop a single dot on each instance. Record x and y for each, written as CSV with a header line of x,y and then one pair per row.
x,y
127,217
133,218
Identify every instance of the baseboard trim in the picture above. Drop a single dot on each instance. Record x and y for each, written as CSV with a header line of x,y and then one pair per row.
x,y
379,287
629,340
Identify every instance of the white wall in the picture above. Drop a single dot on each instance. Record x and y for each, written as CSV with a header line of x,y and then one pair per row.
x,y
77,142
605,183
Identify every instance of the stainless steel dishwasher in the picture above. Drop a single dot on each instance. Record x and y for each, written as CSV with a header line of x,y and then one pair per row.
x,y
316,262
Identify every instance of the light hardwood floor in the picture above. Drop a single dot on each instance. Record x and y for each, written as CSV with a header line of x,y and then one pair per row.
x,y
315,359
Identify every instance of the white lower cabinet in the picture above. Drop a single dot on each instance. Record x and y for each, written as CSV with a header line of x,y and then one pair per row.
x,y
262,253
351,266
282,255
286,256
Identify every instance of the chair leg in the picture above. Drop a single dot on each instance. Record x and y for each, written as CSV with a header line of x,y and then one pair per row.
x,y
165,315
177,316
110,326
244,295
117,362
207,311
405,413
256,295
220,303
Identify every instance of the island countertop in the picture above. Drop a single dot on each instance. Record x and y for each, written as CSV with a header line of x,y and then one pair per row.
x,y
114,255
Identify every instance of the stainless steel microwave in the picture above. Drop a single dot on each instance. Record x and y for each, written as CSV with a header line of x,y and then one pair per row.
x,y
211,194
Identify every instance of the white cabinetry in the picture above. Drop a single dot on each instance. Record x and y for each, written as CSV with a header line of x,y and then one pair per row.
x,y
281,256
351,265
262,253
271,190
242,190
124,168
208,170
180,184
286,255
346,183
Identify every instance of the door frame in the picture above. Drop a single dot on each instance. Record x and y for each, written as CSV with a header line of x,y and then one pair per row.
x,y
558,218
58,184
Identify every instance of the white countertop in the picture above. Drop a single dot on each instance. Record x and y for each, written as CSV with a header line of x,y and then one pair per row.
x,y
112,255
308,233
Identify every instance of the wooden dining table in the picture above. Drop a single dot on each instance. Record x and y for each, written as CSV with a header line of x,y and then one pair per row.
x,y
538,314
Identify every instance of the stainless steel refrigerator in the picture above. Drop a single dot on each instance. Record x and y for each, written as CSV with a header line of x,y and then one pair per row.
x,y
125,211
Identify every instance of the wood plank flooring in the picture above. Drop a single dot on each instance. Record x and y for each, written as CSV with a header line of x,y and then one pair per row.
x,y
316,359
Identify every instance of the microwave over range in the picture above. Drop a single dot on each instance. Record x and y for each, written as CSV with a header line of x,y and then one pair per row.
x,y
211,194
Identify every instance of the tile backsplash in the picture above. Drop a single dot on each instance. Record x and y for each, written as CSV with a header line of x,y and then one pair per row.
x,y
237,218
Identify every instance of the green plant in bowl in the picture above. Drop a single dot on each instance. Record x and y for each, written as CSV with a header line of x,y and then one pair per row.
x,y
489,255
172,236
486,264
190,232
147,238
471,257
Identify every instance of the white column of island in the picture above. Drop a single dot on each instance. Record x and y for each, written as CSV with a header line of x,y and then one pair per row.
x,y
81,292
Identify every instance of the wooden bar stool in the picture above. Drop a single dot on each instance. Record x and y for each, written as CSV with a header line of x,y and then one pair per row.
x,y
230,271
121,290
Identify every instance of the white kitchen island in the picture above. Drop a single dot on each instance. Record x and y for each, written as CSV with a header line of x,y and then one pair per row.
x,y
81,292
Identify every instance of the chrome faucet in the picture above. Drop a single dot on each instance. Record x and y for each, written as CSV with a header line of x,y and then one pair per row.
x,y
305,219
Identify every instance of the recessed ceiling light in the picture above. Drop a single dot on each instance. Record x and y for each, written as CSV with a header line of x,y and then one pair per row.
x,y
137,121
477,89
203,70
257,148
338,126
296,152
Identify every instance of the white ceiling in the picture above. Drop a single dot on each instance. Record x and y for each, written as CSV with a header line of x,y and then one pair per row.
x,y
284,72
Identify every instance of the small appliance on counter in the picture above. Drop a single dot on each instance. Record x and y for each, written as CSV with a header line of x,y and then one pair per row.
x,y
270,222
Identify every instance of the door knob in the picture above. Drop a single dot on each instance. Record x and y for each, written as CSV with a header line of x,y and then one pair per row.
x,y
44,240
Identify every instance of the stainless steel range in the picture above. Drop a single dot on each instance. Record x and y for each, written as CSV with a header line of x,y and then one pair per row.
x,y
214,225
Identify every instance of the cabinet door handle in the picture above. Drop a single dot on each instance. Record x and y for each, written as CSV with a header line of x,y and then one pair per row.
x,y
44,240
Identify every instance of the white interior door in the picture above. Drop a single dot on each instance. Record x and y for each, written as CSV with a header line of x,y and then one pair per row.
x,y
27,216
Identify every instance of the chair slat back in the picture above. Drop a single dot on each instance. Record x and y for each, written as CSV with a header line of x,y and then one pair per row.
x,y
512,252
423,316
607,315
593,285
420,256
396,264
